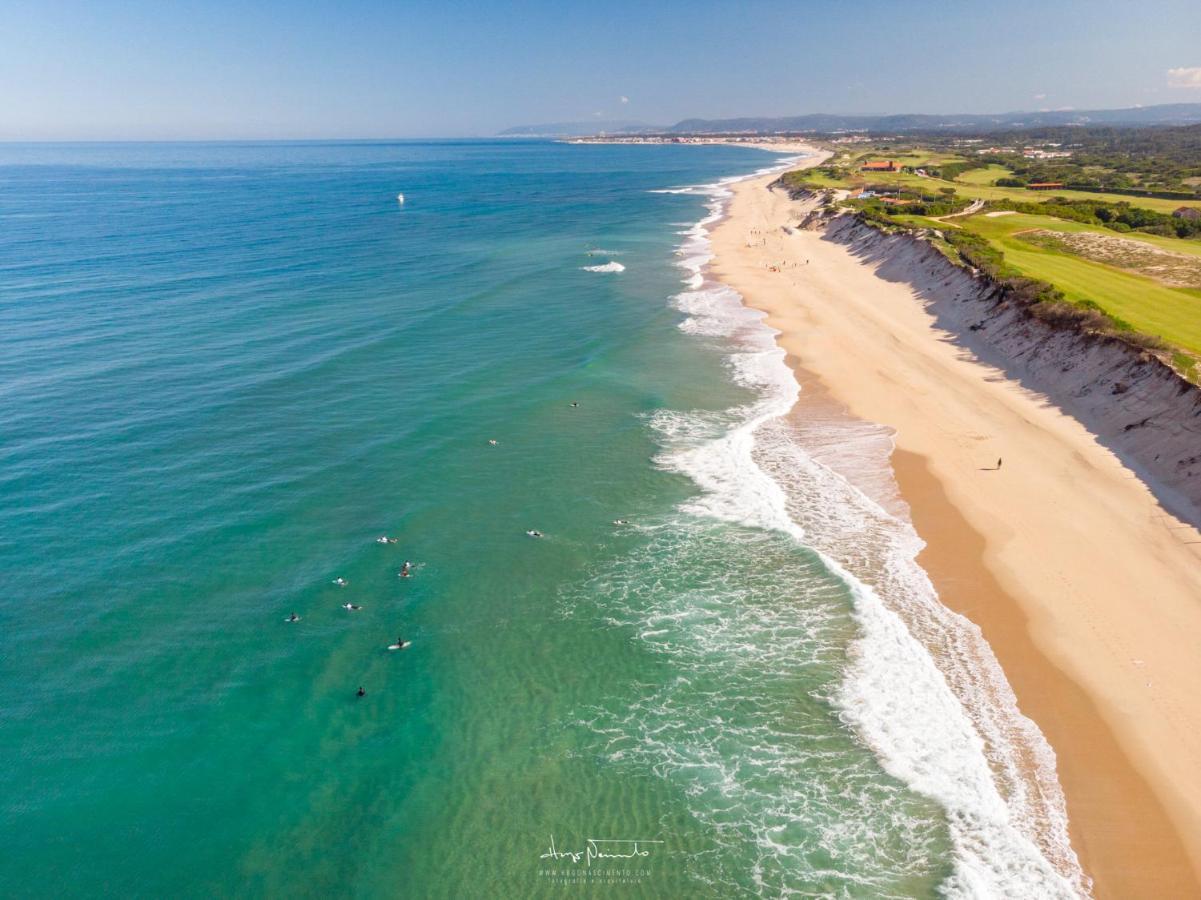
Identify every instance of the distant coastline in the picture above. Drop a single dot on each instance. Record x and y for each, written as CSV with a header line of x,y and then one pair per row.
x,y
789,143
811,124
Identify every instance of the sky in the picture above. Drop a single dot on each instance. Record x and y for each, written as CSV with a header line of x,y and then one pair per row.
x,y
178,70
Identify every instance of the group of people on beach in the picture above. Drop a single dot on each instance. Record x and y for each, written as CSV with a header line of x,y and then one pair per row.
x,y
782,265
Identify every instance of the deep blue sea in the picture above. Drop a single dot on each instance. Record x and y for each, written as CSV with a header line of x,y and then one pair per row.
x,y
228,370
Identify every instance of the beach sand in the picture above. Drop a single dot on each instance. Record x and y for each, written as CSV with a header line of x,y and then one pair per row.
x,y
1087,590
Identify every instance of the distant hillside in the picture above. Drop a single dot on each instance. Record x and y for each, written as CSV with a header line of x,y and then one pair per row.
x,y
1168,114
577,129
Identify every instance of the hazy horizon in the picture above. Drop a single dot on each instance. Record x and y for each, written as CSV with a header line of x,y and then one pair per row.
x,y
75,71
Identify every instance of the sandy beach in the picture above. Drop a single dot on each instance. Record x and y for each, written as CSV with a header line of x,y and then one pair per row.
x,y
1087,590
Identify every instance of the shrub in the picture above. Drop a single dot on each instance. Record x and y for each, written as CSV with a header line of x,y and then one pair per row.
x,y
951,171
1061,314
1144,341
977,252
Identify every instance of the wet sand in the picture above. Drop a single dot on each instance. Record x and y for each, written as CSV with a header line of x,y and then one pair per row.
x,y
1087,591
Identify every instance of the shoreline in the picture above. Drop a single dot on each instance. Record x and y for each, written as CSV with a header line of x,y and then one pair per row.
x,y
954,558
1099,669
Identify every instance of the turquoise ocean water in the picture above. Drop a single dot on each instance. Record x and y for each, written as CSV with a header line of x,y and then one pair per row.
x,y
226,369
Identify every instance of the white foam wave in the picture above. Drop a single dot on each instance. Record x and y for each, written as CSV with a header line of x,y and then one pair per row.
x,y
605,267
923,688
745,729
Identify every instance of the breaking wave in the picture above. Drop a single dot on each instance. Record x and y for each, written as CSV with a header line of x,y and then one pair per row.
x,y
802,510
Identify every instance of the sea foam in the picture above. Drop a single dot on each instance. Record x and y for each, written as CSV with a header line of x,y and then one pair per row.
x,y
611,266
923,689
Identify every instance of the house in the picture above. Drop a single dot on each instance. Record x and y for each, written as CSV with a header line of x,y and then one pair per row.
x,y
1188,212
1045,185
1034,153
881,166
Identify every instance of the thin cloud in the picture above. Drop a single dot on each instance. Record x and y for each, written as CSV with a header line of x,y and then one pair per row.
x,y
1040,96
1185,77
625,99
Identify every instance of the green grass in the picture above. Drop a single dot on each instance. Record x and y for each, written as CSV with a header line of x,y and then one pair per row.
x,y
912,158
976,184
1163,206
1170,313
1173,314
915,156
815,177
983,177
1187,366
1001,226
992,192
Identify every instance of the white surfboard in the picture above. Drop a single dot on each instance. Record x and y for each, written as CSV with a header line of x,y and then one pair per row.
x,y
399,646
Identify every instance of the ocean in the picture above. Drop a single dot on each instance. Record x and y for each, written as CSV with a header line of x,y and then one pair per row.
x,y
227,370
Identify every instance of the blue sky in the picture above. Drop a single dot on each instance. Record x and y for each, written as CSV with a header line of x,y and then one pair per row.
x,y
180,70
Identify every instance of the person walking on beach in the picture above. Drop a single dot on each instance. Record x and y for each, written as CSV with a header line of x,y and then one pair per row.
x,y
998,463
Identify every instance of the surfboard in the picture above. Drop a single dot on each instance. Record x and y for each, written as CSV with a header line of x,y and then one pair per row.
x,y
399,646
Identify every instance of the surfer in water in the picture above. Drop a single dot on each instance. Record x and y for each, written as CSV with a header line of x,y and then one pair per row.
x,y
534,534
621,521
573,403
341,582
352,607
406,570
491,442
361,693
293,618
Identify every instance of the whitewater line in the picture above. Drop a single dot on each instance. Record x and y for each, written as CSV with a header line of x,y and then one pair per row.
x,y
894,694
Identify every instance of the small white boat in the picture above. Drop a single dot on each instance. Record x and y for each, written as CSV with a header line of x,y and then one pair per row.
x,y
400,198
